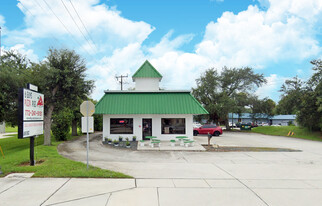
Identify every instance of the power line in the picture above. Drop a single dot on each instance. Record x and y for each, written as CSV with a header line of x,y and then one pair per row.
x,y
61,22
121,81
76,24
35,15
82,22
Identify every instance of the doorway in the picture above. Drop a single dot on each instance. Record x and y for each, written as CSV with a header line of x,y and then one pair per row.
x,y
146,128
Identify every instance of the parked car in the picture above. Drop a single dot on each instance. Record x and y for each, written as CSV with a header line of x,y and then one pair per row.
x,y
232,124
208,128
196,125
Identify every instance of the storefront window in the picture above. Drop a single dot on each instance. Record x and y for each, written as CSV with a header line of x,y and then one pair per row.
x,y
121,126
173,125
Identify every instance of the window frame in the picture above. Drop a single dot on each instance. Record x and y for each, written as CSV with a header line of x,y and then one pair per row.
x,y
175,125
130,122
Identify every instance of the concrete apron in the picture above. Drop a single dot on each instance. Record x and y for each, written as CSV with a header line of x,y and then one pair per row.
x,y
157,192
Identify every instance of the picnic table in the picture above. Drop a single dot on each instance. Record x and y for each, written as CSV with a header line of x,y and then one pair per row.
x,y
181,139
151,138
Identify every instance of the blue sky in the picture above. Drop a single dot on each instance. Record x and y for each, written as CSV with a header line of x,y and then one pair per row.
x,y
180,38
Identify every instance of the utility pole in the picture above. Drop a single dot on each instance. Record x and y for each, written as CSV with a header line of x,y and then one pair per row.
x,y
0,42
121,81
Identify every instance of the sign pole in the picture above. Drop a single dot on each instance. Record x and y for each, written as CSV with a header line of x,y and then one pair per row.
x,y
32,154
87,147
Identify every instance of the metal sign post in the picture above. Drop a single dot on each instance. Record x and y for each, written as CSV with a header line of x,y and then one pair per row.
x,y
87,108
87,135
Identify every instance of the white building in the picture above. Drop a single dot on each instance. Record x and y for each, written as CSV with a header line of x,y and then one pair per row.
x,y
147,110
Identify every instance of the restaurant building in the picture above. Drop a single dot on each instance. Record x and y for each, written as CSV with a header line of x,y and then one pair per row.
x,y
147,110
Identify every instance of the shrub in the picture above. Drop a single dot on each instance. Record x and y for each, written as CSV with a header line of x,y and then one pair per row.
x,y
61,124
127,143
134,138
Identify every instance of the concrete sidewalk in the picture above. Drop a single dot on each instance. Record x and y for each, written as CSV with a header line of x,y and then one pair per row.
x,y
157,192
6,135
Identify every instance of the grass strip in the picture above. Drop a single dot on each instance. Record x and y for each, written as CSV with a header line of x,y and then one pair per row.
x,y
299,132
50,163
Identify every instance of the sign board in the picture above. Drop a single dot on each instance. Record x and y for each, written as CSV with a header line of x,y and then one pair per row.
x,y
87,105
90,124
31,113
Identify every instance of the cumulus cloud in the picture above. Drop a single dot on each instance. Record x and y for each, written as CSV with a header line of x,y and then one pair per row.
x,y
274,83
285,31
60,19
255,38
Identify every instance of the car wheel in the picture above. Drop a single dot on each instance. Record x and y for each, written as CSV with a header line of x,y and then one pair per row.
x,y
195,133
216,133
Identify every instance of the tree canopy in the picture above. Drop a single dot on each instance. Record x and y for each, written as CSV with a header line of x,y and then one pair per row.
x,y
60,77
304,98
226,92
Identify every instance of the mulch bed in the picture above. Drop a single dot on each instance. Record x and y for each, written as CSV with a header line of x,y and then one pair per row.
x,y
211,148
122,145
38,162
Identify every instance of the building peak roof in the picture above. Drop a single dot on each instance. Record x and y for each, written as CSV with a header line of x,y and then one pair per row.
x,y
146,71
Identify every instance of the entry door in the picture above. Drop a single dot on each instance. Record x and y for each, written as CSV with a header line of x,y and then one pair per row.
x,y
146,128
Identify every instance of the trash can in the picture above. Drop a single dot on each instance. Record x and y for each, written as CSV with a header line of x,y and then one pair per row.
x,y
245,127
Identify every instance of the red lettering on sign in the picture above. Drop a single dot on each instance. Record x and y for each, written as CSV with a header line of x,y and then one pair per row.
x,y
27,102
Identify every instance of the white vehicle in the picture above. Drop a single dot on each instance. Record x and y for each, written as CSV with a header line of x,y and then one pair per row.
x,y
196,125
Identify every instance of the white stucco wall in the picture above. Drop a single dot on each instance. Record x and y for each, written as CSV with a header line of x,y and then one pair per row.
x,y
156,126
146,84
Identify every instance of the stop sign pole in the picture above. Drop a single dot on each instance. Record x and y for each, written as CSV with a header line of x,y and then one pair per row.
x,y
87,108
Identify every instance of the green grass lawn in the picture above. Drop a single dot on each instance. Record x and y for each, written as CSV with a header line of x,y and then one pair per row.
x,y
284,130
11,129
53,165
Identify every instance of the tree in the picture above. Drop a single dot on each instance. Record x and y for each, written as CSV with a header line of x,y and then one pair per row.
x,y
310,108
14,74
61,77
304,98
261,106
291,98
219,92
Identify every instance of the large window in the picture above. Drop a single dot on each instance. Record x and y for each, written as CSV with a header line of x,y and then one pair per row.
x,y
121,126
173,125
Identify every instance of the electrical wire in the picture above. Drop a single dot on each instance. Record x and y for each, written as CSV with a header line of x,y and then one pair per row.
x,y
78,26
81,21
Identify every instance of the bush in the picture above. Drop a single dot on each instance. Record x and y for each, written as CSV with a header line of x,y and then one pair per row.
x,y
61,124
98,122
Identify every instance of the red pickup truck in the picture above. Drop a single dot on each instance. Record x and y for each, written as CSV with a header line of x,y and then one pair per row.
x,y
208,128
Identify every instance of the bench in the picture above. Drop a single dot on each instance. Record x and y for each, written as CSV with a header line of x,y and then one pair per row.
x,y
155,141
142,143
188,143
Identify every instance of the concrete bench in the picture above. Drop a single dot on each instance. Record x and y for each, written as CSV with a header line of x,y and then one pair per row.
x,y
155,141
188,143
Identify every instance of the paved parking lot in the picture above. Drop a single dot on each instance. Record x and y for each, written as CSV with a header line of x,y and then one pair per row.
x,y
183,178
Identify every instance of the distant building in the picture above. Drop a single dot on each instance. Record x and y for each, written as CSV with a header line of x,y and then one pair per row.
x,y
147,110
262,118
2,127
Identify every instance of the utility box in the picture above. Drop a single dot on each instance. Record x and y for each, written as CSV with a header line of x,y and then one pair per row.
x,y
245,127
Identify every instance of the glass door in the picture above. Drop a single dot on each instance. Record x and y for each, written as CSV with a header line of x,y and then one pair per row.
x,y
146,128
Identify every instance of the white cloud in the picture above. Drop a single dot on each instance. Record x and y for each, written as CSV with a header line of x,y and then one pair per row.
x,y
106,26
285,31
26,52
270,89
253,38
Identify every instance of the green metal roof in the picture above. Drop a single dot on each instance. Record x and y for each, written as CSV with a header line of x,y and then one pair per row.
x,y
146,71
164,102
